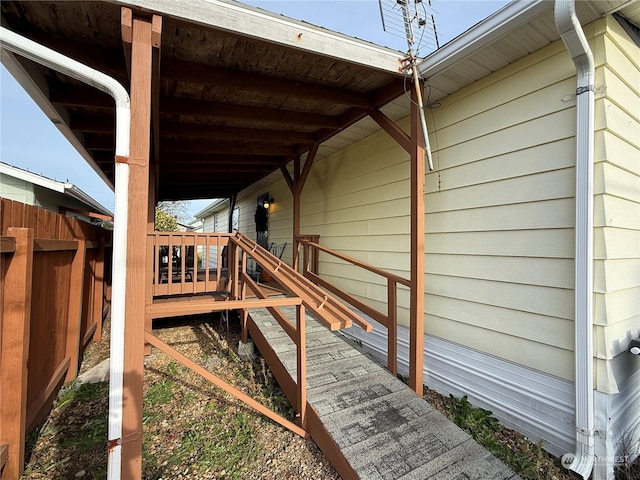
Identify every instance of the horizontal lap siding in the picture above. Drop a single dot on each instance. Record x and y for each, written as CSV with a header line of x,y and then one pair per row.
x,y
358,200
617,201
500,215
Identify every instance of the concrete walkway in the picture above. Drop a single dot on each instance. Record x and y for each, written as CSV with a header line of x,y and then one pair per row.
x,y
383,429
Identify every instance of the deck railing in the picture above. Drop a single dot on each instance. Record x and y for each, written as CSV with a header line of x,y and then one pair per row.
x,y
389,319
191,263
187,263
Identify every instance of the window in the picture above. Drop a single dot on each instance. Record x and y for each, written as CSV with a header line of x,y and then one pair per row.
x,y
235,219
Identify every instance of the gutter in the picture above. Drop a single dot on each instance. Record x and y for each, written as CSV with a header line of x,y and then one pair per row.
x,y
54,60
73,191
576,43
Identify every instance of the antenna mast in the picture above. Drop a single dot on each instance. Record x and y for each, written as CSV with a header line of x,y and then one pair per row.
x,y
409,13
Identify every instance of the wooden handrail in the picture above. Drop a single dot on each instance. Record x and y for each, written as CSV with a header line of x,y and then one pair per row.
x,y
390,320
355,261
334,314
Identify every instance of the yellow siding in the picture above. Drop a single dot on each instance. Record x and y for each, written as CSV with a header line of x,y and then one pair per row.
x,y
617,201
499,209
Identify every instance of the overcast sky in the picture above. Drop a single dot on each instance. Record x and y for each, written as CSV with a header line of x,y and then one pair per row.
x,y
29,140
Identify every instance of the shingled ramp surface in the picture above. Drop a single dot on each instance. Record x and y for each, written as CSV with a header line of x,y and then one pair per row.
x,y
383,429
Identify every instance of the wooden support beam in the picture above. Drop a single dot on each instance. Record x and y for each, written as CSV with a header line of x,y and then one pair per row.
x,y
156,342
138,215
268,85
219,148
126,27
392,129
235,134
199,108
7,244
74,318
196,307
308,163
156,34
416,307
287,178
15,330
296,213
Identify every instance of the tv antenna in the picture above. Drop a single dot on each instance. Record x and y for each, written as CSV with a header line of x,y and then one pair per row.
x,y
404,18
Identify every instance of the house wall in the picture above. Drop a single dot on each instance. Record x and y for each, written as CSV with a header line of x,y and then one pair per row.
x,y
500,215
617,246
16,189
617,205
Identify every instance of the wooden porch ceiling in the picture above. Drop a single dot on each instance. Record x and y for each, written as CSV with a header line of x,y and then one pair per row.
x,y
231,108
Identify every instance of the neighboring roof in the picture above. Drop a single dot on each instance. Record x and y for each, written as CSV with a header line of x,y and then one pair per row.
x,y
244,91
65,188
213,207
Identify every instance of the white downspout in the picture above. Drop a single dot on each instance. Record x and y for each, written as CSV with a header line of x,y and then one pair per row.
x,y
574,39
56,61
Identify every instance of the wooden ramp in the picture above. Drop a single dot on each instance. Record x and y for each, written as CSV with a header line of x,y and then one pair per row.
x,y
369,424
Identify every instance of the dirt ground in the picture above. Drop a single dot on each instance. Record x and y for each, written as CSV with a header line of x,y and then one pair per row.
x,y
194,430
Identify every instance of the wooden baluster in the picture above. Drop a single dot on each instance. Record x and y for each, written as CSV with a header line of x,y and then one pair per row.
x,y
392,327
302,365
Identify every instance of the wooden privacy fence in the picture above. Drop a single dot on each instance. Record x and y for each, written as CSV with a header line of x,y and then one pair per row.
x,y
53,302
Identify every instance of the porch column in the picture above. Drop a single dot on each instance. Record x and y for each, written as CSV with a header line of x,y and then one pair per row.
x,y
296,184
140,35
416,314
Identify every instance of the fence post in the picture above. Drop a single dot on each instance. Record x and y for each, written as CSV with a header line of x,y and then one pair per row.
x,y
98,291
15,324
74,319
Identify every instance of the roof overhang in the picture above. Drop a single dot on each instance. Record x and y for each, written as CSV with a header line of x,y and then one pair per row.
x,y
244,91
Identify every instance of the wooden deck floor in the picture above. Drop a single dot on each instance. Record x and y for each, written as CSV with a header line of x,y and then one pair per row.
x,y
368,423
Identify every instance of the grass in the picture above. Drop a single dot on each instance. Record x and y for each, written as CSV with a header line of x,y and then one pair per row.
x,y
529,460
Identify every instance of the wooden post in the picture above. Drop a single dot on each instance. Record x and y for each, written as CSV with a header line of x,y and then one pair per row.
x,y
416,312
392,326
74,316
135,300
296,212
15,324
302,365
98,291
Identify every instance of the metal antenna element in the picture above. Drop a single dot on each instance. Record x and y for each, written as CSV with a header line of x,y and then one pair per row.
x,y
404,14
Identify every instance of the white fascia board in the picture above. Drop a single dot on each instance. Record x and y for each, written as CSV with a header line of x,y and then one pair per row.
x,y
75,192
487,31
214,206
274,28
34,87
33,178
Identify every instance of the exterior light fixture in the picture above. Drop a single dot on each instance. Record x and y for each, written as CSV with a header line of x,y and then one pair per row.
x,y
266,203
